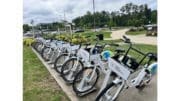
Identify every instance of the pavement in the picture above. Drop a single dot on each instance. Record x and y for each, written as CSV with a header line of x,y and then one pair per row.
x,y
140,39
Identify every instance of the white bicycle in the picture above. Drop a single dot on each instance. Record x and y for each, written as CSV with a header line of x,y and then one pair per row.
x,y
122,72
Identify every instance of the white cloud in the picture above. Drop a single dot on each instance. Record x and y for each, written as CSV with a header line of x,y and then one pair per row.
x,y
52,10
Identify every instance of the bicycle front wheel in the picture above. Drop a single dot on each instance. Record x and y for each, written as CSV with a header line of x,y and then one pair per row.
x,y
110,93
46,53
85,80
60,61
70,68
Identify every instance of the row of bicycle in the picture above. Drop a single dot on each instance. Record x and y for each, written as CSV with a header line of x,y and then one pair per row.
x,y
82,65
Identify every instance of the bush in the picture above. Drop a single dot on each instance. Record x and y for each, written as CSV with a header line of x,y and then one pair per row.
x,y
133,29
141,29
49,36
28,41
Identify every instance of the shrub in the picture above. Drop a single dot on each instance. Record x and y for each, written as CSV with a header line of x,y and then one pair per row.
x,y
49,36
133,29
28,41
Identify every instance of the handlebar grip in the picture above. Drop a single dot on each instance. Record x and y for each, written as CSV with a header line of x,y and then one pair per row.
x,y
127,40
114,45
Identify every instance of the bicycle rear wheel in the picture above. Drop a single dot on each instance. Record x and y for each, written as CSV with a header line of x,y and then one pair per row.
x,y
85,80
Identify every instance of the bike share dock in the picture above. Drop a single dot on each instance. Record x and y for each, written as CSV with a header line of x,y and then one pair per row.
x,y
131,94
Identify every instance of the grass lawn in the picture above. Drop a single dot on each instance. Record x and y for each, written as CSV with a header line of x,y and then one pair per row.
x,y
136,32
106,41
143,48
106,34
38,84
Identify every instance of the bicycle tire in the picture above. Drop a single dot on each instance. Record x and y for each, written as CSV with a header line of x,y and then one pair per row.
x,y
109,86
36,45
43,53
64,67
56,67
79,74
40,47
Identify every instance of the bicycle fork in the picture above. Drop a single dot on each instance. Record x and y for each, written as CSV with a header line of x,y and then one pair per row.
x,y
136,81
75,66
121,84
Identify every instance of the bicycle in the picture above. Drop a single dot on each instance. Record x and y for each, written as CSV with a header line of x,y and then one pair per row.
x,y
66,55
72,66
109,92
90,75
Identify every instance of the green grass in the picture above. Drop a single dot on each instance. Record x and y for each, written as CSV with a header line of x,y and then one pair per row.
x,y
38,84
136,32
106,41
143,48
93,34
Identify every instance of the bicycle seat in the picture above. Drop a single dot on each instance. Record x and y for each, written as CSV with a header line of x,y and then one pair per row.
x,y
120,50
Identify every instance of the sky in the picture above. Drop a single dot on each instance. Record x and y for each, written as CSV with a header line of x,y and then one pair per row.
x,y
46,11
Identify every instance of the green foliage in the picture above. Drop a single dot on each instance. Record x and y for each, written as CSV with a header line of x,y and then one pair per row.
x,y
75,38
28,41
128,15
136,32
49,36
26,28
154,16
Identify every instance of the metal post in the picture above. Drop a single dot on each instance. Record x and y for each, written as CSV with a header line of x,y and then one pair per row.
x,y
94,15
64,20
32,23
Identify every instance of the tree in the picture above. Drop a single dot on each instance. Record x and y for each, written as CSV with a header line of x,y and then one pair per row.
x,y
147,13
154,16
128,15
26,28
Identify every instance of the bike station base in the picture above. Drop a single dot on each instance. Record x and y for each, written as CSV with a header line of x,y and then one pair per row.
x,y
131,94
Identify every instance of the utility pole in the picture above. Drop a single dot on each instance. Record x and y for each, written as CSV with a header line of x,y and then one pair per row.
x,y
94,15
32,23
64,20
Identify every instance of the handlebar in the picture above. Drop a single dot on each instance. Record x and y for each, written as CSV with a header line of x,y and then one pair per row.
x,y
112,44
126,40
